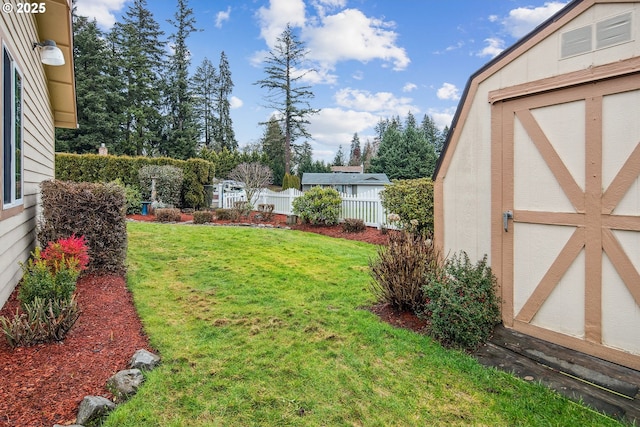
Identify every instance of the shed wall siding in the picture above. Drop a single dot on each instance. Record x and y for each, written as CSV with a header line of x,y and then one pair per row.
x,y
467,181
18,232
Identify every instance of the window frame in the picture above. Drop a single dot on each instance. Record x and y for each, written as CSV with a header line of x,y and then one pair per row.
x,y
15,202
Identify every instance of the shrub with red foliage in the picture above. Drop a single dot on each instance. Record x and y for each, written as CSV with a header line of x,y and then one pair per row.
x,y
72,252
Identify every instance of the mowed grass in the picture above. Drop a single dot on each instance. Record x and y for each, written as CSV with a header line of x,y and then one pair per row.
x,y
265,327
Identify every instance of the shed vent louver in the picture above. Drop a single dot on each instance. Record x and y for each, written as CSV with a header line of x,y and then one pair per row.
x,y
608,32
613,31
576,42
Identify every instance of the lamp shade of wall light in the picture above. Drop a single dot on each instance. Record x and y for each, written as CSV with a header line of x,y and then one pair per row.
x,y
50,54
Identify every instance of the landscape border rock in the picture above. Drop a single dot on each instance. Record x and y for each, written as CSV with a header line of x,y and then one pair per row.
x,y
92,408
144,360
123,385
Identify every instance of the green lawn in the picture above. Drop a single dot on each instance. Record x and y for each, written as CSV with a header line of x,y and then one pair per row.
x,y
262,327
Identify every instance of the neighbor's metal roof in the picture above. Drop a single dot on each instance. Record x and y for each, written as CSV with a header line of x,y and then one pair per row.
x,y
345,179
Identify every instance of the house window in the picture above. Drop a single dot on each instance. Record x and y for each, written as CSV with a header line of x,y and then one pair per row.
x,y
12,167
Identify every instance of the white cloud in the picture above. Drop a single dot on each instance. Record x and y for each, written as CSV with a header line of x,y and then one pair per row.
x,y
235,102
223,16
322,6
524,19
101,10
442,118
382,103
274,19
448,91
350,35
334,126
358,75
494,47
408,87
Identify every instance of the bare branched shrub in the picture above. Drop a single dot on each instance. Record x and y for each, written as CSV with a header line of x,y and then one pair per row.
x,y
400,270
255,177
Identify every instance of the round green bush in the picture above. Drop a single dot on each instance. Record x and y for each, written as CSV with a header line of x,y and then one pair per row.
x,y
412,201
319,206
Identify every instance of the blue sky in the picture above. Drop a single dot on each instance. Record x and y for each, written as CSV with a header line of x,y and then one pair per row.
x,y
373,59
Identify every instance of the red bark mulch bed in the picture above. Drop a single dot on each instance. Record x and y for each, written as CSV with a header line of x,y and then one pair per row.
x,y
43,385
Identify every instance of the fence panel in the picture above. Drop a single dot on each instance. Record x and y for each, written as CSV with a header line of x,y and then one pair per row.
x,y
282,201
365,206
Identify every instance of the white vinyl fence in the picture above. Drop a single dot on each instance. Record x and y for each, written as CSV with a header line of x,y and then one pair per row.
x,y
366,206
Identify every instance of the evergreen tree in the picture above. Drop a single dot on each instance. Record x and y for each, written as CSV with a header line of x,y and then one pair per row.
x,y
273,147
181,132
338,160
306,163
404,152
97,93
140,55
442,138
286,95
304,159
225,136
355,153
204,92
369,152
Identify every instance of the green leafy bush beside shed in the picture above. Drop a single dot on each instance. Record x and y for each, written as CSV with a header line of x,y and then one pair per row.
x,y
411,200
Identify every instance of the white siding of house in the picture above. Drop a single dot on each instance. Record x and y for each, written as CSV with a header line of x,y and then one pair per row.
x,y
17,233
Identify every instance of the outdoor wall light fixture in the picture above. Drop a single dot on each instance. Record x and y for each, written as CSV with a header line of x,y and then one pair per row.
x,y
50,54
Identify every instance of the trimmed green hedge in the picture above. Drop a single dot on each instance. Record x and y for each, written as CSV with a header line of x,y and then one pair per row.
x,y
95,168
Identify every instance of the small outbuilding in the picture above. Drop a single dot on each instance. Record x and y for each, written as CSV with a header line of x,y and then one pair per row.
x,y
540,172
347,183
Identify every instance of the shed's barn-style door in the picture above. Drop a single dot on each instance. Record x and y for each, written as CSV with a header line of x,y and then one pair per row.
x,y
568,200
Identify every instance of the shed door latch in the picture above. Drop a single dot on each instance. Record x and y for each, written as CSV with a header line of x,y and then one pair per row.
x,y
506,216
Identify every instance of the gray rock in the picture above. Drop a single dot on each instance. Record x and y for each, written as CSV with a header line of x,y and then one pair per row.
x,y
144,360
125,383
93,407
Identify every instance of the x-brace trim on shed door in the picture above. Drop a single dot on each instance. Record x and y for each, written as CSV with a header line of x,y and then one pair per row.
x,y
591,219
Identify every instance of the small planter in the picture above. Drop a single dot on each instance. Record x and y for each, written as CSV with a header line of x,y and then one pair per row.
x,y
146,206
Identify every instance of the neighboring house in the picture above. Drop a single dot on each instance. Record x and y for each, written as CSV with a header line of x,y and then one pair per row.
x,y
36,98
540,172
348,183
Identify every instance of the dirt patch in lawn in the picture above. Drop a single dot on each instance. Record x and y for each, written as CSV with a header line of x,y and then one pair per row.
x,y
43,384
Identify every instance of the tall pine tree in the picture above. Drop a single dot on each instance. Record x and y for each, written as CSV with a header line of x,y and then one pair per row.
x,y
355,153
286,93
273,147
98,94
140,55
181,133
225,136
204,92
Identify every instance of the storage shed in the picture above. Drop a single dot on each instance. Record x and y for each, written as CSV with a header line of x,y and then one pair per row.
x,y
540,171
